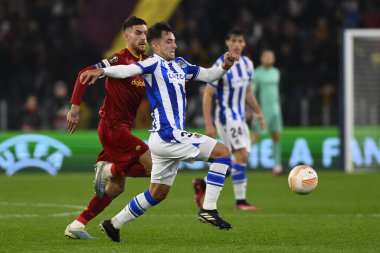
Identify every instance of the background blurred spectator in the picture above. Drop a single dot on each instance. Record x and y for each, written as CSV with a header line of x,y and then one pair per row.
x,y
31,119
44,41
58,106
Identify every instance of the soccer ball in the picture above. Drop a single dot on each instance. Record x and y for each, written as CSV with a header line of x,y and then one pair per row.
x,y
303,179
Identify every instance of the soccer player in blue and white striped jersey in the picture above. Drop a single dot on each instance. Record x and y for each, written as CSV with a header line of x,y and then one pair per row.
x,y
164,76
232,91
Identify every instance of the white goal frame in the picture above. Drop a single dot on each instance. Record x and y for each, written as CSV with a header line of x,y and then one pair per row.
x,y
348,64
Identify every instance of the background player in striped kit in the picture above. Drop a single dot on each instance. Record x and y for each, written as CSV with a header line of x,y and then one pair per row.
x,y
169,143
266,83
232,92
123,154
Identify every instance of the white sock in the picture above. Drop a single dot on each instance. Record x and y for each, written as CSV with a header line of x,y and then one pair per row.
x,y
134,209
77,224
240,191
239,180
215,182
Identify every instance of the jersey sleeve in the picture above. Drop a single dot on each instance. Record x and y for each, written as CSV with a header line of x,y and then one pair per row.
x,y
148,65
191,70
79,88
214,84
250,67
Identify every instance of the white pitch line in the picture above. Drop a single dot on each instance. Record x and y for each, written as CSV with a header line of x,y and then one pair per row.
x,y
64,214
41,205
253,215
7,216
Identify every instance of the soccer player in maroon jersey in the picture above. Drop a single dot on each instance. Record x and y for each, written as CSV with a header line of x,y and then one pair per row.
x,y
123,154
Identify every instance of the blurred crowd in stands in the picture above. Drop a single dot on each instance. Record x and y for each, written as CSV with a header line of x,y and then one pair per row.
x,y
42,50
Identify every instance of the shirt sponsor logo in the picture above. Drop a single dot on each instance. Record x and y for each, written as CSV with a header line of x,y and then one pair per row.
x,y
137,83
178,76
32,150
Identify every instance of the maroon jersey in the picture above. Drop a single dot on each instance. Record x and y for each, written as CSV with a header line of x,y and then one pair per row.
x,y
123,96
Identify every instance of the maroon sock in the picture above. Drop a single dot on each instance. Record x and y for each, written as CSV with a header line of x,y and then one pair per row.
x,y
94,207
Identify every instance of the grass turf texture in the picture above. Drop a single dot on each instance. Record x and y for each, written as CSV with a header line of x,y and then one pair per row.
x,y
342,215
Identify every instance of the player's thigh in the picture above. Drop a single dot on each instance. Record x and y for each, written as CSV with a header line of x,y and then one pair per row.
x,y
222,132
237,135
164,170
277,124
122,147
185,149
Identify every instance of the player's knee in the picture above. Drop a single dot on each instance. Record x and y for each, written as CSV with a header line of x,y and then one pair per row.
x,y
160,196
224,151
114,190
243,158
159,191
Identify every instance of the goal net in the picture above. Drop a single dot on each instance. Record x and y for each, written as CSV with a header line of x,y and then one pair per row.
x,y
361,117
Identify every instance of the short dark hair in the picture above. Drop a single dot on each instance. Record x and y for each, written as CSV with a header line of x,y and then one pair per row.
x,y
155,31
234,32
131,21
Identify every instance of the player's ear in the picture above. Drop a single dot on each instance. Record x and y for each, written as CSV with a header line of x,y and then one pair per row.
x,y
154,45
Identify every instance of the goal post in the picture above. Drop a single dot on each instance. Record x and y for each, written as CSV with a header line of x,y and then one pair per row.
x,y
360,126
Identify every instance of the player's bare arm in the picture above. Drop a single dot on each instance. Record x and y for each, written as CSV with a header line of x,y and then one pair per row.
x,y
206,105
72,118
252,102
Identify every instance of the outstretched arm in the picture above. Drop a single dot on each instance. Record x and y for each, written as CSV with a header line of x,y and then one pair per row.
x,y
119,72
214,73
72,117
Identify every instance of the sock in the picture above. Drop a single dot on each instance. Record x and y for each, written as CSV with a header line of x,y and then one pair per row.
x,y
137,207
239,180
277,153
77,224
94,207
215,181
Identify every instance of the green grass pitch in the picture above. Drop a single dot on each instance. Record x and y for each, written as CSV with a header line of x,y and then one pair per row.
x,y
342,215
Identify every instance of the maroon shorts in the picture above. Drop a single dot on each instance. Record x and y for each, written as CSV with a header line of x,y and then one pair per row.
x,y
121,148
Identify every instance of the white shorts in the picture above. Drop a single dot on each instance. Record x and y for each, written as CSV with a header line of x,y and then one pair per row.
x,y
166,156
235,135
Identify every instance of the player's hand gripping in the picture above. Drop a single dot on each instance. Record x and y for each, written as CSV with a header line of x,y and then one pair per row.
x,y
72,118
90,76
210,130
229,60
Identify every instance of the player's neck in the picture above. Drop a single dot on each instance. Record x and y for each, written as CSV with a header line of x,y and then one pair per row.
x,y
134,53
166,59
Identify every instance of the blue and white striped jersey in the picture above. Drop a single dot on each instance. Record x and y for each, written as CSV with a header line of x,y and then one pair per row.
x,y
231,90
165,88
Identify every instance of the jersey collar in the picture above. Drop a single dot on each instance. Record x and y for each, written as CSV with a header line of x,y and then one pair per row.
x,y
134,55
